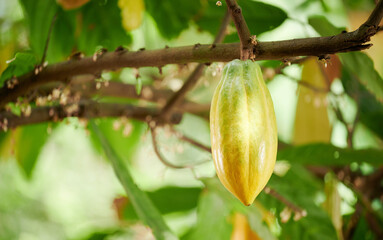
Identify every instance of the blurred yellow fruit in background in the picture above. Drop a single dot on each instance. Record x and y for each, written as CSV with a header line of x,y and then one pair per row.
x,y
132,13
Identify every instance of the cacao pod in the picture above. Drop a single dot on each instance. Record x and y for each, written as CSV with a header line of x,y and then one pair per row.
x,y
243,130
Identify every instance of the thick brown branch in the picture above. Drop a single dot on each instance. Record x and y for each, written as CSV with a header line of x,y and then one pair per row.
x,y
242,29
85,110
376,15
343,42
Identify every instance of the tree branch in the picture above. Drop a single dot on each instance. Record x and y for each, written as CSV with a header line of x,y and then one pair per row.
x,y
242,29
317,46
87,110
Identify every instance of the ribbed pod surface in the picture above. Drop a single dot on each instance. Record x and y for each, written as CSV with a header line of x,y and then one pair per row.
x,y
243,130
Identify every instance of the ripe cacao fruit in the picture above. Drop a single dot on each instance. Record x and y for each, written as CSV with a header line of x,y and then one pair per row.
x,y
243,130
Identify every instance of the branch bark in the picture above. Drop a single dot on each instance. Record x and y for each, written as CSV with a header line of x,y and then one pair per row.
x,y
242,29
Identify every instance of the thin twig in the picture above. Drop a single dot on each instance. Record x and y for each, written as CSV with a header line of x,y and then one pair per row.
x,y
178,97
242,30
162,158
158,153
299,212
48,39
189,140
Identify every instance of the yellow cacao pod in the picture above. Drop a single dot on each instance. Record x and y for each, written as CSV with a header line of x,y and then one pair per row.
x,y
243,130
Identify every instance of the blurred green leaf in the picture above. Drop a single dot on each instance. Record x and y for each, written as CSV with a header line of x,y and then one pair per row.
x,y
30,141
138,86
172,17
323,26
102,25
218,204
301,188
175,199
363,230
370,109
145,209
361,65
168,200
328,155
213,218
260,17
21,64
124,140
103,235
39,15
21,212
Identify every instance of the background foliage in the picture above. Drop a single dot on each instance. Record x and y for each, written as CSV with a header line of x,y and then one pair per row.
x,y
57,180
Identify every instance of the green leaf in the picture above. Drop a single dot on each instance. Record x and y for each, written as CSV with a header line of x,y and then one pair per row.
x,y
322,154
138,86
260,17
30,141
145,209
102,26
370,109
300,187
21,64
175,199
323,26
213,218
172,17
361,65
169,200
218,204
39,15
124,140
